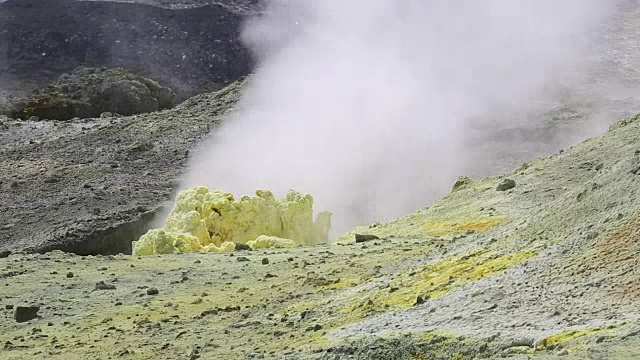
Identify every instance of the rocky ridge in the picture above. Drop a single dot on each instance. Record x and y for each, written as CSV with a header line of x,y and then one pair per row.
x,y
191,50
90,186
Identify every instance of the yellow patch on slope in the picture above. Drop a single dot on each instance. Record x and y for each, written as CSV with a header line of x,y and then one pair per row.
x,y
453,228
569,335
437,279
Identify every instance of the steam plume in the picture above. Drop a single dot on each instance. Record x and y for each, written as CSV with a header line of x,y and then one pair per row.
x,y
371,105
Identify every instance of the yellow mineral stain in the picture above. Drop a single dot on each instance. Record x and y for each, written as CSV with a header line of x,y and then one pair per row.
x,y
435,280
458,227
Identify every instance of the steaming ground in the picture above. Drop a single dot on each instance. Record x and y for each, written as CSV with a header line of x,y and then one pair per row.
x,y
544,270
375,107
547,269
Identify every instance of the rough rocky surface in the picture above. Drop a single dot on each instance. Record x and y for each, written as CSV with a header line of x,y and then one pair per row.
x,y
190,50
92,185
90,92
544,270
237,6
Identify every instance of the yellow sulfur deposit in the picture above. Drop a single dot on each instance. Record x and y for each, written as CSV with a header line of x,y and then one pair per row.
x,y
213,221
270,242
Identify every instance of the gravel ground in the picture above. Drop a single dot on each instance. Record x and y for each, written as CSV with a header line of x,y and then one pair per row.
x,y
544,269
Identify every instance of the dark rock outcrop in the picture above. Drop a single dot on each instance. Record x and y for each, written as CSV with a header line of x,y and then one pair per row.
x,y
188,49
89,92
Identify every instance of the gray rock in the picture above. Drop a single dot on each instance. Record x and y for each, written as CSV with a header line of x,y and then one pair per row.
x,y
25,313
506,184
242,247
102,286
360,238
461,182
152,291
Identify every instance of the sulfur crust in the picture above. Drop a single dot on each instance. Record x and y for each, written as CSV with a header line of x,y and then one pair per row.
x,y
271,242
213,221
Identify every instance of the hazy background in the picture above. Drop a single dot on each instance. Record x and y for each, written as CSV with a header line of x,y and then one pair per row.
x,y
376,106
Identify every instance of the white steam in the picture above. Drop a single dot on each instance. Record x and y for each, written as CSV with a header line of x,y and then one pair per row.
x,y
368,104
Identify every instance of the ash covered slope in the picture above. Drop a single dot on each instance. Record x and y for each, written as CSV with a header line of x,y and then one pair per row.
x,y
90,186
191,50
562,245
544,269
237,6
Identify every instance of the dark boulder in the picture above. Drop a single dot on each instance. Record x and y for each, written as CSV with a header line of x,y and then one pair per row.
x,y
88,92
25,313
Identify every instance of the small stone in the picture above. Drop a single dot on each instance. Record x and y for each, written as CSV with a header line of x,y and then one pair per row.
x,y
599,166
4,254
25,313
34,118
360,238
242,247
194,355
265,261
69,275
581,195
506,184
8,307
242,259
102,286
563,352
592,235
540,344
315,327
152,291
461,182
419,301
